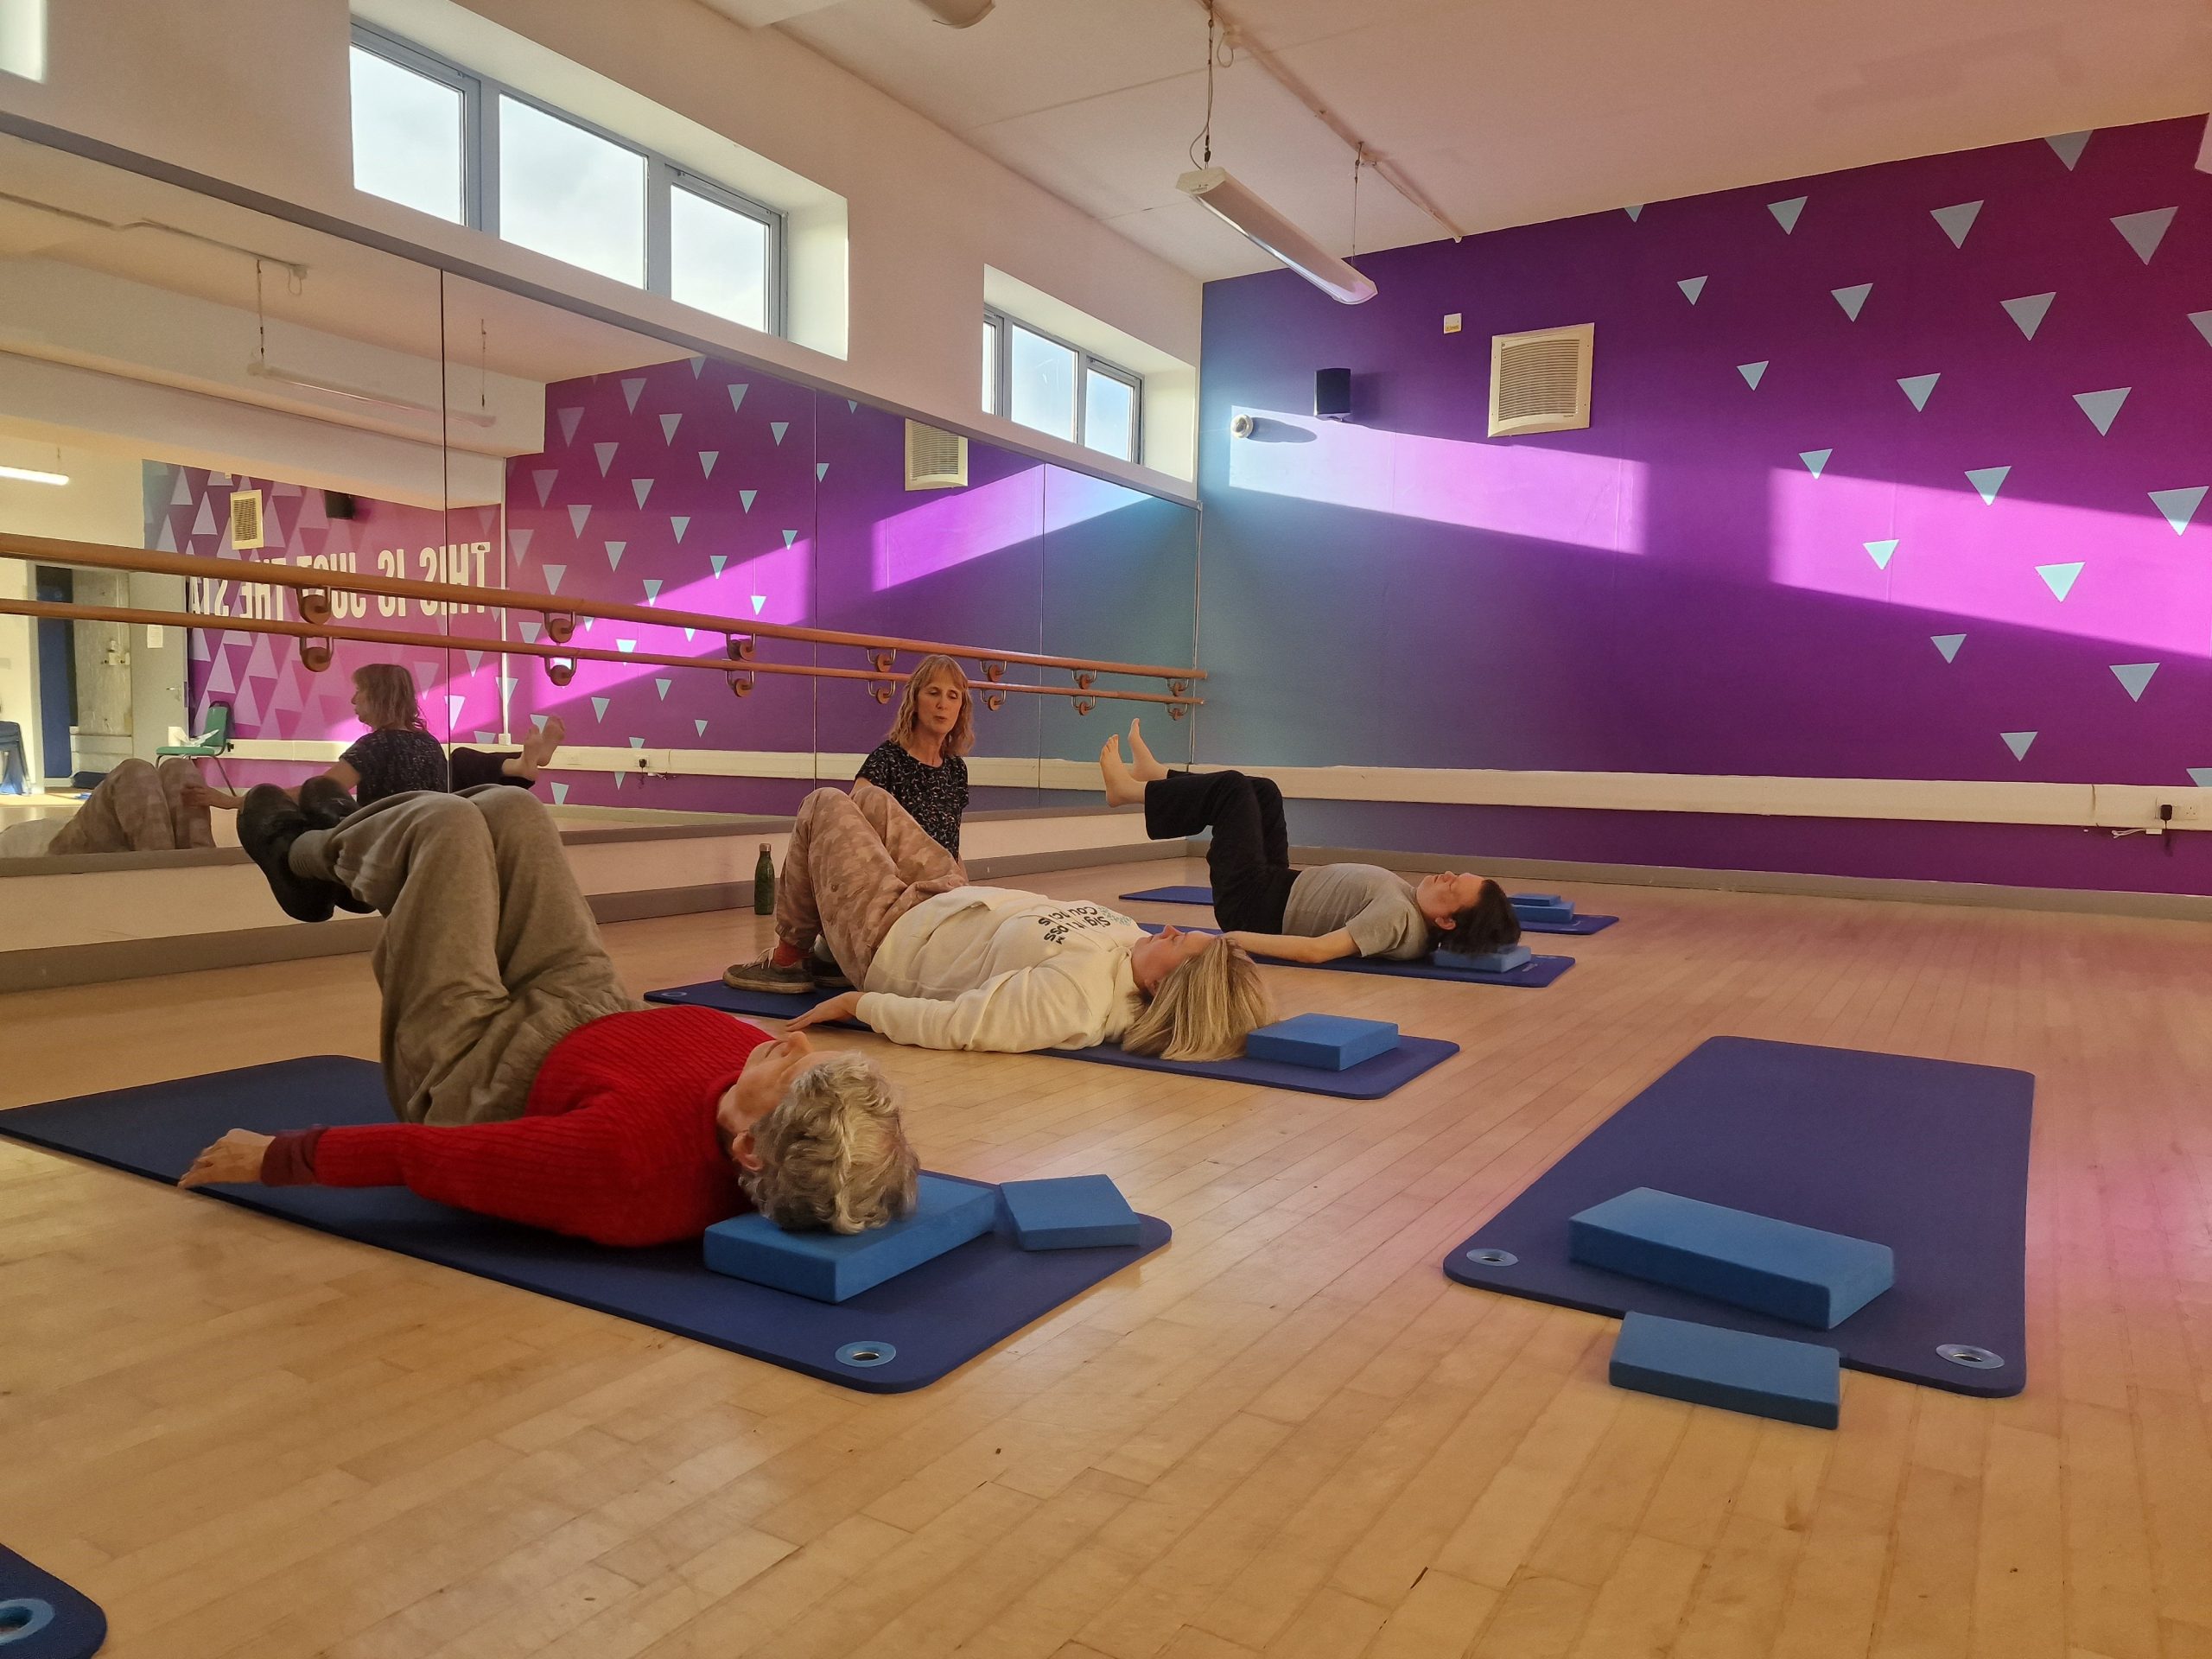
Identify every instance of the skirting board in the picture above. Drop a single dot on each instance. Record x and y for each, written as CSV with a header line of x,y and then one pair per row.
x,y
2084,901
107,961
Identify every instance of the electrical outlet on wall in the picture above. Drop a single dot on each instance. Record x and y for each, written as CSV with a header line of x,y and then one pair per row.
x,y
1451,324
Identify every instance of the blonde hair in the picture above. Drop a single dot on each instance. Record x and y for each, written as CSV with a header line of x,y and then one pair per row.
x,y
833,1153
391,697
1204,1009
962,737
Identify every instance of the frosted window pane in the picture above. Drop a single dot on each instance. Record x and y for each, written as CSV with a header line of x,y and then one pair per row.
x,y
1044,384
407,136
718,259
571,194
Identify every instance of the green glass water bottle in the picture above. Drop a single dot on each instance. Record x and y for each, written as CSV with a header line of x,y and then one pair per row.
x,y
763,883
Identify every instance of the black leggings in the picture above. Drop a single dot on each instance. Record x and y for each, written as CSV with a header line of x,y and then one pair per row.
x,y
1249,857
472,767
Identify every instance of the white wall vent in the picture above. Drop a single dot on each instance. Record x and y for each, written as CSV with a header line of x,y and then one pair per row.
x,y
936,459
246,519
1539,382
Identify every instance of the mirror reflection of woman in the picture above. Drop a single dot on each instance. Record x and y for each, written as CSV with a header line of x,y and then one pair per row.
x,y
398,754
919,765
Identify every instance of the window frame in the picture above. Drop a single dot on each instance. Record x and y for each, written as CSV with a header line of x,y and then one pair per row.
x,y
1002,399
480,94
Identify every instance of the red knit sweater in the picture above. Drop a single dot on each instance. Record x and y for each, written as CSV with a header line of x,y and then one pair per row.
x,y
617,1144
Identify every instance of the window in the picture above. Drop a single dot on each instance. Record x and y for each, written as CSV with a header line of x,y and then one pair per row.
x,y
445,140
1047,384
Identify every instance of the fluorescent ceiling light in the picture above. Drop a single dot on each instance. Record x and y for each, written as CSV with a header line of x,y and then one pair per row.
x,y
958,13
261,370
1212,188
29,475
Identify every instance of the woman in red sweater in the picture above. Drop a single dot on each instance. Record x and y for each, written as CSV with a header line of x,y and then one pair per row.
x,y
532,1087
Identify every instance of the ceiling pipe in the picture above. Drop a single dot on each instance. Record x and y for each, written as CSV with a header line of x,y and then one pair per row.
x,y
1241,40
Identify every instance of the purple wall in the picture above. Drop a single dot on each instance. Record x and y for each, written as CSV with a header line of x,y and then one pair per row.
x,y
1893,472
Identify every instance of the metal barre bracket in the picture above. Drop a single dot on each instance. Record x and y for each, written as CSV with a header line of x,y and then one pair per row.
x,y
740,647
314,654
880,689
1084,705
880,661
560,626
315,605
742,684
560,670
992,671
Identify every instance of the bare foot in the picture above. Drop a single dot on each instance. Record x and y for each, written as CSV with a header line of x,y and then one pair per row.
x,y
1141,762
1123,789
537,750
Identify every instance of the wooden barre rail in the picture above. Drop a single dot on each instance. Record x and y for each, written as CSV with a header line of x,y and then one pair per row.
x,y
559,612
739,672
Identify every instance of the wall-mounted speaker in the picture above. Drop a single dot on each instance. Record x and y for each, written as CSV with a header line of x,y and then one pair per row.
x,y
336,504
1332,394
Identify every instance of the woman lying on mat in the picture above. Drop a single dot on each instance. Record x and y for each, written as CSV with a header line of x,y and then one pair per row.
x,y
918,764
1314,915
941,964
533,1087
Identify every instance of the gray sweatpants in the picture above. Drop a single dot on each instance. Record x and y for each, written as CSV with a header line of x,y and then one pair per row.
x,y
137,808
856,863
489,956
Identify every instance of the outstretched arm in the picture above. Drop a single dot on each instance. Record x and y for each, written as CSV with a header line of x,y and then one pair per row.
x,y
1293,947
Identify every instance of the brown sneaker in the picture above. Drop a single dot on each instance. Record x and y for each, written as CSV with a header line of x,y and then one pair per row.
x,y
766,975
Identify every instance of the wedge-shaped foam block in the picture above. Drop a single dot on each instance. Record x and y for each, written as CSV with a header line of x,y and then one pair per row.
x,y
834,1267
1328,1041
1072,1213
1771,1266
1485,961
1736,1370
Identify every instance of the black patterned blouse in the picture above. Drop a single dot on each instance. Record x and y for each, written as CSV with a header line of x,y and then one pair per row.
x,y
395,760
935,796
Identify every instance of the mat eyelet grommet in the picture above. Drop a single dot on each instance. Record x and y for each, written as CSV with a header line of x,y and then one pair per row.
x,y
22,1618
1961,1353
865,1354
1494,1258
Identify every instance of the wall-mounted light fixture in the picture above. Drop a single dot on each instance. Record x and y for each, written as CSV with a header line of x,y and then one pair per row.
x,y
32,475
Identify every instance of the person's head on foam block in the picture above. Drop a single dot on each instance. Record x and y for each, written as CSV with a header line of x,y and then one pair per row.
x,y
1203,996
817,1140
1467,914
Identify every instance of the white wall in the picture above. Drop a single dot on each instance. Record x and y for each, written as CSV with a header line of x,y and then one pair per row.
x,y
255,93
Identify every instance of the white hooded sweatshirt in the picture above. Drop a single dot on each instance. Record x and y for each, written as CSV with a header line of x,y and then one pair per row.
x,y
992,968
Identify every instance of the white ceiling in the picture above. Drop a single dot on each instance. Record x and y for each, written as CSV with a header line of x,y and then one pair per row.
x,y
1503,114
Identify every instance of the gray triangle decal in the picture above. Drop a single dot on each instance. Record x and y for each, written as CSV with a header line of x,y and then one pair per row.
x,y
560,794
631,388
777,429
599,706
576,517
1691,287
2102,406
1949,644
1634,209
668,425
1987,481
519,542
1785,212
652,589
737,397
745,498
181,496
2203,321
706,459
615,551
2068,147
2144,231
1917,387
1815,460
543,480
553,575
718,560
1853,299
1956,220
679,523
2028,311
2133,677
662,686
2201,776
821,470
529,633
641,488
606,454
789,536
1752,373
2060,578
1882,552
2178,506
699,727
570,419
475,660
698,364
2019,742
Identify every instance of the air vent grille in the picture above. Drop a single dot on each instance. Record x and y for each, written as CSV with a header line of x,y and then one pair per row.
x,y
246,519
936,459
1539,382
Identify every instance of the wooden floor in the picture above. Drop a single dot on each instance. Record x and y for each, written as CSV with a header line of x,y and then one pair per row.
x,y
1286,1434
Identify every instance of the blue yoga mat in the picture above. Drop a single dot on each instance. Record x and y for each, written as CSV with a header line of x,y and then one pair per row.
x,y
1929,1157
929,1320
1370,1080
1532,975
41,1618
1205,896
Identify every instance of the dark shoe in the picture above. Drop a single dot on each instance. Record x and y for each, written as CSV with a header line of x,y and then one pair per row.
x,y
826,975
268,823
766,975
326,802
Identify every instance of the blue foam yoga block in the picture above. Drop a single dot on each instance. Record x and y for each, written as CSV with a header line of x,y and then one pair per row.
x,y
1777,1268
1502,961
1072,1213
1330,1041
1736,1370
835,1266
1543,907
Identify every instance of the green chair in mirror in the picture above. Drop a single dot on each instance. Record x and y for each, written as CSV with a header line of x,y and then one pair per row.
x,y
215,741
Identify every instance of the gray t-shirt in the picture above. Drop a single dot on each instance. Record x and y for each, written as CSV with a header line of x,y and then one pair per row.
x,y
1375,905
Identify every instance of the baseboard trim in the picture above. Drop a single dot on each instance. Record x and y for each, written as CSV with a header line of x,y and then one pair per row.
x,y
112,961
2164,906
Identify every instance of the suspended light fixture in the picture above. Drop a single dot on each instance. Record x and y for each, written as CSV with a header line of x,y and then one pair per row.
x,y
32,475
1222,195
1217,190
958,13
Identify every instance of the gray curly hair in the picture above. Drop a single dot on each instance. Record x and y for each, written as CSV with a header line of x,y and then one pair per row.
x,y
833,1153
